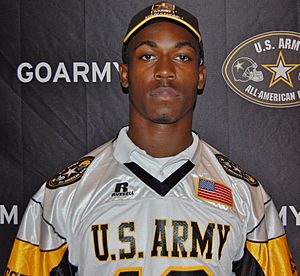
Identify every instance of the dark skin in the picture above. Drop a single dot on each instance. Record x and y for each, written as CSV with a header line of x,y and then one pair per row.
x,y
162,77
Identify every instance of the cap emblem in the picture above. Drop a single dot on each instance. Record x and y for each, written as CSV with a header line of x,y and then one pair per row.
x,y
163,8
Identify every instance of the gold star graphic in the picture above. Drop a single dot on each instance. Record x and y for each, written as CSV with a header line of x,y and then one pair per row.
x,y
281,71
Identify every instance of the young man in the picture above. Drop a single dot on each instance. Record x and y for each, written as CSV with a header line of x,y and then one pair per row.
x,y
156,200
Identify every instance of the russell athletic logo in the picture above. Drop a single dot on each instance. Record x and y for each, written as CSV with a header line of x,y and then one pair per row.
x,y
121,189
265,69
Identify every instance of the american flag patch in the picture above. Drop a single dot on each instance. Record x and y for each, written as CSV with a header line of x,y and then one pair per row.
x,y
214,191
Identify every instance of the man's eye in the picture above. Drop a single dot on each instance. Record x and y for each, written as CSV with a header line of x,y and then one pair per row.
x,y
147,57
182,58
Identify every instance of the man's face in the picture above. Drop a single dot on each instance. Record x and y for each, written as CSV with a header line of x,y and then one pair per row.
x,y
163,73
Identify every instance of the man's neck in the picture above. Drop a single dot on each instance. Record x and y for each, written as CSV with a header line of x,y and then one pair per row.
x,y
161,140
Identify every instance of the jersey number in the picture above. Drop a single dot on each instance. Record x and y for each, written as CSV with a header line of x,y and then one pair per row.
x,y
172,271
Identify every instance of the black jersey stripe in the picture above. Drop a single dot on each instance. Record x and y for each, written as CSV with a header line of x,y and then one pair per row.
x,y
65,267
162,188
247,266
44,219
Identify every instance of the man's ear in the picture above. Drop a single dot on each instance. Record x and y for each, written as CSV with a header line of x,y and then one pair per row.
x,y
123,71
201,78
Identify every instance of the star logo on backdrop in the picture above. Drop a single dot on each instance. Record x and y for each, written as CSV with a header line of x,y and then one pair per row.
x,y
265,70
281,71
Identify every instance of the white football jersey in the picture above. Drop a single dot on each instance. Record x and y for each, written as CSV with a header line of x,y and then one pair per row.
x,y
101,216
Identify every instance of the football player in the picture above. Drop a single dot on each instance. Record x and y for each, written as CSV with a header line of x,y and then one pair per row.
x,y
156,200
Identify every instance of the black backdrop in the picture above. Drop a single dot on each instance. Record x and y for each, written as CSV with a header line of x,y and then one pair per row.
x,y
53,119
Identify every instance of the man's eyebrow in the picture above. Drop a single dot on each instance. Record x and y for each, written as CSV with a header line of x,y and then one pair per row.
x,y
146,42
183,44
154,44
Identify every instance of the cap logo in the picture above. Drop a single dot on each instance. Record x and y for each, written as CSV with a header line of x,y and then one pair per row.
x,y
163,8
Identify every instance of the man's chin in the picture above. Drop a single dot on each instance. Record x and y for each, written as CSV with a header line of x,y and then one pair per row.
x,y
164,120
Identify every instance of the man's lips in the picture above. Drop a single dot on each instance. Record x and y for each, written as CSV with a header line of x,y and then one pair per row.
x,y
164,92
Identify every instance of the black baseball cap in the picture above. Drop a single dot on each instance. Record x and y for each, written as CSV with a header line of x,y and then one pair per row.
x,y
161,11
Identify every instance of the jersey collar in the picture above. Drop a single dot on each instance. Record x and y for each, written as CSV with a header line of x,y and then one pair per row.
x,y
124,148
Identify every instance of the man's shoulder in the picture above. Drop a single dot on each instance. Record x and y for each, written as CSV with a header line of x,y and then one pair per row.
x,y
74,181
230,167
77,169
246,189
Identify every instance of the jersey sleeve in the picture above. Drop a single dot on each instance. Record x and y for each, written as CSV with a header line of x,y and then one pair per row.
x,y
39,248
266,250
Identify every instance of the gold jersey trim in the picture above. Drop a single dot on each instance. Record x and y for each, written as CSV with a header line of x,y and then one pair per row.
x,y
28,259
273,256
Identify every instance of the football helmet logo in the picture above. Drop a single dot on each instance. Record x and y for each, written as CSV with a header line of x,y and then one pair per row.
x,y
244,70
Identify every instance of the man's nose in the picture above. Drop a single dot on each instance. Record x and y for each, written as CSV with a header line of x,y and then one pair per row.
x,y
165,69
